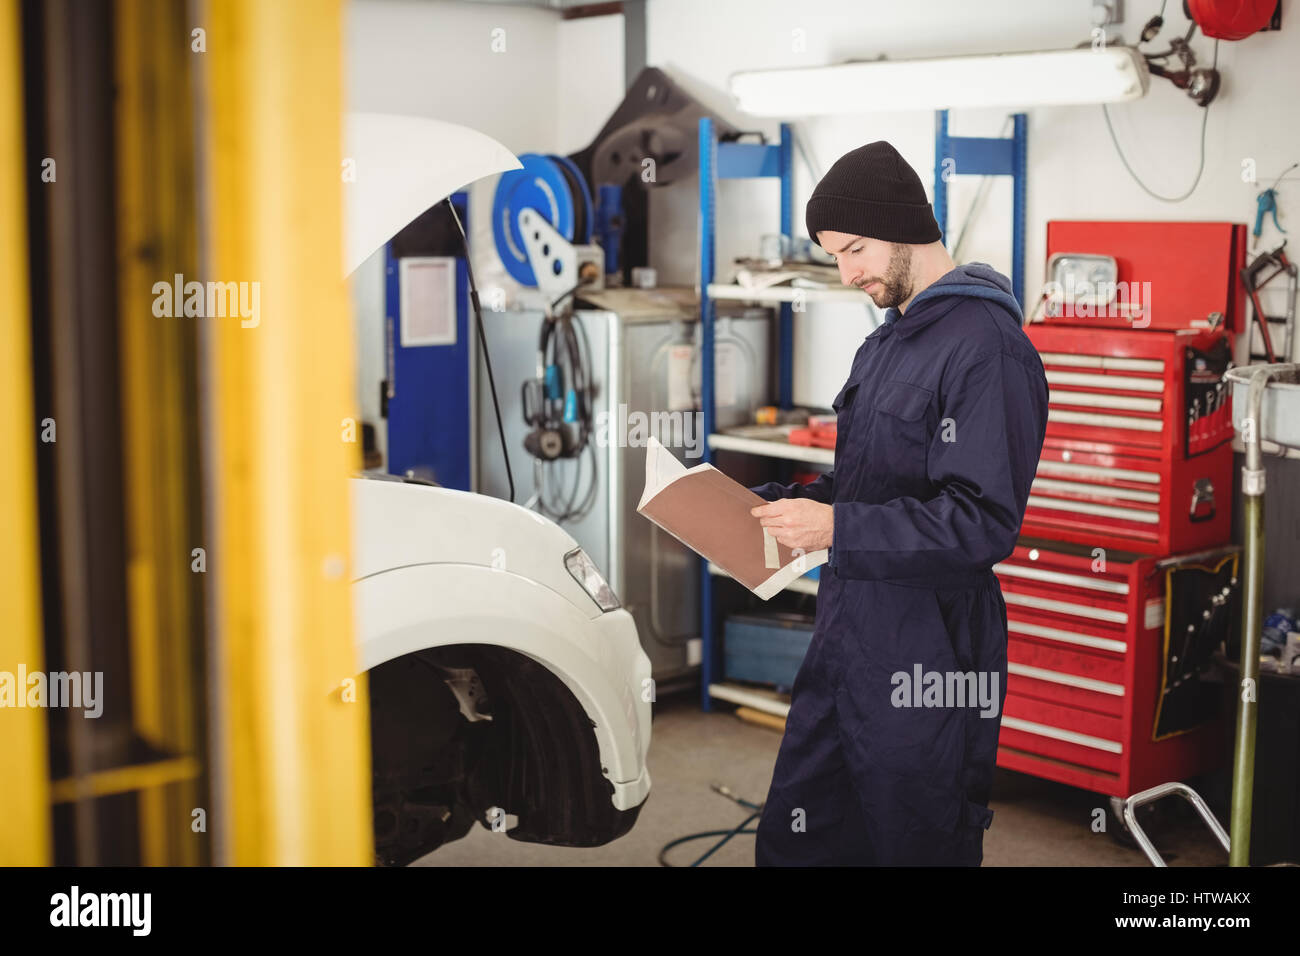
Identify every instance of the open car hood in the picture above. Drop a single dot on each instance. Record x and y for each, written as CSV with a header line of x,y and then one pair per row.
x,y
403,165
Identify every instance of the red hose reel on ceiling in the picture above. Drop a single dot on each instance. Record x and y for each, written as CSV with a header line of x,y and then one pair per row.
x,y
1230,19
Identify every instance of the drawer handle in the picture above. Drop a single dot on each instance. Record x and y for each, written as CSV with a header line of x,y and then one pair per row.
x,y
1069,680
1066,607
1123,382
1060,577
1099,471
1066,637
1058,485
1087,508
1069,736
1106,421
1078,360
1123,403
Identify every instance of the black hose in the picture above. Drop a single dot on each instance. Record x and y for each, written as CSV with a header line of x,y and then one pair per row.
x,y
482,341
725,834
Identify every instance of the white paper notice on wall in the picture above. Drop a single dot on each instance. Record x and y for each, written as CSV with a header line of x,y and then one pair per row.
x,y
428,300
679,379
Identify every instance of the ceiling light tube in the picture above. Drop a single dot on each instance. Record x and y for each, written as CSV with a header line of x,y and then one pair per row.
x,y
1109,74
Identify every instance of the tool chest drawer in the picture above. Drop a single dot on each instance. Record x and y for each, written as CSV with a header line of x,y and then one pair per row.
x,y
1086,671
1138,443
1076,488
1078,678
1100,398
1130,388
1072,734
1149,505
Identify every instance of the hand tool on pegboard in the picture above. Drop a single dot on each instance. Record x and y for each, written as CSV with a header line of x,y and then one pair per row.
x,y
1266,203
1277,261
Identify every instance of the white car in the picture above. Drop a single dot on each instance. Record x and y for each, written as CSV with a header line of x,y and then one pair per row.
x,y
506,682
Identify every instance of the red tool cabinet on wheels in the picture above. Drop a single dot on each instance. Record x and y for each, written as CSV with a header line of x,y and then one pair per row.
x,y
1086,674
1133,487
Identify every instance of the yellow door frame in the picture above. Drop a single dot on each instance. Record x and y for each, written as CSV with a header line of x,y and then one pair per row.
x,y
25,837
291,720
157,238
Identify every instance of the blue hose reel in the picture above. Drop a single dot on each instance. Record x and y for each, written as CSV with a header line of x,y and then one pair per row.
x,y
554,187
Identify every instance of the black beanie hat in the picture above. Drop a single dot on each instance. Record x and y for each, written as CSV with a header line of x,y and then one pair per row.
x,y
872,191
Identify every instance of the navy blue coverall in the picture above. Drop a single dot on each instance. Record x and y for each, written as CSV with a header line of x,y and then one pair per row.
x,y
940,428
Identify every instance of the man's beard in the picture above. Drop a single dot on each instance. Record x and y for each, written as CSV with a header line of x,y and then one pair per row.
x,y
896,283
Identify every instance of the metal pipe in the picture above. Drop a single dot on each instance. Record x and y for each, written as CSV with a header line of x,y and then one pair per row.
x,y
1252,486
1164,790
1243,766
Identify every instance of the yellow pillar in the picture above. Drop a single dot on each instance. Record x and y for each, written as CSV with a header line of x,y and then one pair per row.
x,y
24,754
292,738
157,224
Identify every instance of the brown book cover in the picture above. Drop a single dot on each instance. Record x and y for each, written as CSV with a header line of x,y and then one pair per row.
x,y
709,513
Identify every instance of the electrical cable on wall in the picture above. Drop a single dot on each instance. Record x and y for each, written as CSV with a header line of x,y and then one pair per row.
x,y
1200,167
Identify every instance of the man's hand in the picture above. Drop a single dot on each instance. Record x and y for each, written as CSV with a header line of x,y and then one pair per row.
x,y
798,522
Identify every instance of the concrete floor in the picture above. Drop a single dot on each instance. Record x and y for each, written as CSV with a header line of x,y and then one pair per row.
x,y
1037,822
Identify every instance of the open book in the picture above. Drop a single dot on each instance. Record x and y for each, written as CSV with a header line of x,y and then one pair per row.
x,y
709,513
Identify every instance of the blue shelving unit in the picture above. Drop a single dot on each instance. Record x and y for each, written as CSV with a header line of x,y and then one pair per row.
x,y
986,156
734,161
977,156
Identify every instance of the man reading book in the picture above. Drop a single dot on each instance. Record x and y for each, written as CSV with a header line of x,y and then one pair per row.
x,y
940,427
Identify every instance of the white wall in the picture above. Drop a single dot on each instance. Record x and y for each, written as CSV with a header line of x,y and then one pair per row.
x,y
558,81
1074,170
548,91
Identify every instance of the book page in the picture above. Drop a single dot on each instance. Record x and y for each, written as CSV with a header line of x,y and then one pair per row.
x,y
710,513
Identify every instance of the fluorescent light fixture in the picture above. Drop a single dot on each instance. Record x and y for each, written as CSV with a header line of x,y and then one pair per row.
x,y
1052,78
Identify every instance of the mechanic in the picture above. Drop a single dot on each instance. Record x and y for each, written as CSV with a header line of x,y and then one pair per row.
x,y
940,426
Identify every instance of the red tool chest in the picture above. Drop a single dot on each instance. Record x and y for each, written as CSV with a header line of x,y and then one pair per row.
x,y
1181,273
1138,450
1085,658
1133,491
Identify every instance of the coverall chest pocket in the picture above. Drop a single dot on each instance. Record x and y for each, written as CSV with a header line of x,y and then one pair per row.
x,y
844,400
900,430
843,406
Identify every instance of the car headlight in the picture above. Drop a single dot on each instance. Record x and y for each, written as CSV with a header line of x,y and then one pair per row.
x,y
586,573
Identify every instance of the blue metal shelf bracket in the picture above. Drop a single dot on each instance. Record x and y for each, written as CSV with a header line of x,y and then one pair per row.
x,y
710,157
732,160
986,156
743,161
785,327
